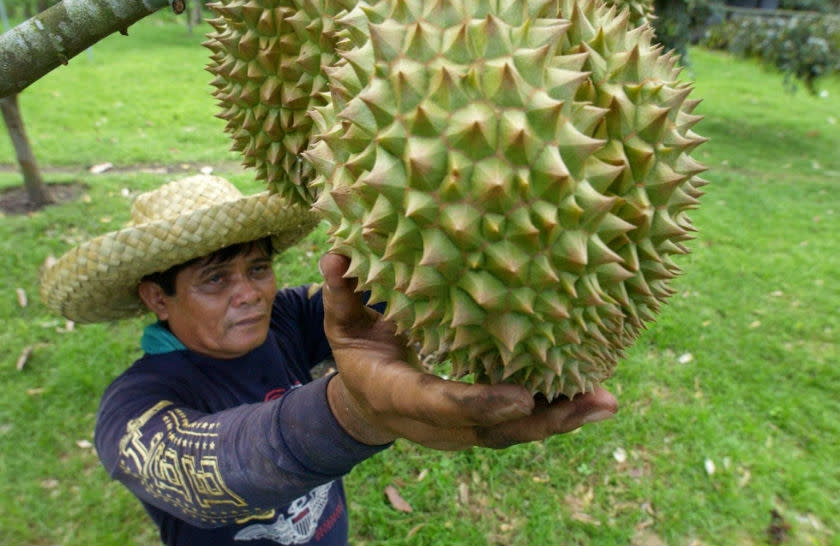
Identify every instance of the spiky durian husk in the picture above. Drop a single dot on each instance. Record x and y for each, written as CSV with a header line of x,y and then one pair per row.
x,y
511,183
268,58
641,11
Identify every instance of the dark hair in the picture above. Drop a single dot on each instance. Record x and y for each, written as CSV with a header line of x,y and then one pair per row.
x,y
166,279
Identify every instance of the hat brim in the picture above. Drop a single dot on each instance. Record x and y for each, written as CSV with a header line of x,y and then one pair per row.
x,y
97,281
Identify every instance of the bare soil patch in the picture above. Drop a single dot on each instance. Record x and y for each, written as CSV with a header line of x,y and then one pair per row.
x,y
15,200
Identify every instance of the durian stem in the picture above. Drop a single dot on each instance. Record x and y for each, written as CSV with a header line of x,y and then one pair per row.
x,y
54,36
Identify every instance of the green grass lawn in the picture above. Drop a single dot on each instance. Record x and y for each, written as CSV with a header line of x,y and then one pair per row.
x,y
729,402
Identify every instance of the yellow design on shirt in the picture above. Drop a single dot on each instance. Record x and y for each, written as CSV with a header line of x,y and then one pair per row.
x,y
191,482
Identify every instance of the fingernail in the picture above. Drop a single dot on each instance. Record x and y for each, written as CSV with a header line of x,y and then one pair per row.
x,y
599,415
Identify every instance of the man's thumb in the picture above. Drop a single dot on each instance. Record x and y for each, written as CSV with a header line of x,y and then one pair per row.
x,y
333,267
340,299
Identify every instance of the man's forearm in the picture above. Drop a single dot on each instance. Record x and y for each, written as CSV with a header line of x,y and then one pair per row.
x,y
260,455
347,413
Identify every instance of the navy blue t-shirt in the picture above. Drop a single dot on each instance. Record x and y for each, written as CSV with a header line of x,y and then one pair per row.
x,y
241,451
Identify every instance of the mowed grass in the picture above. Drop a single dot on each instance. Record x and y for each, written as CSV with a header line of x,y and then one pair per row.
x,y
729,402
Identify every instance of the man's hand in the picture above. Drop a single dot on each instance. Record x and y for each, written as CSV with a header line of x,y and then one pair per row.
x,y
381,394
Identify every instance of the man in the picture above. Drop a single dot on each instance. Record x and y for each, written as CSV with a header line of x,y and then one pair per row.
x,y
219,428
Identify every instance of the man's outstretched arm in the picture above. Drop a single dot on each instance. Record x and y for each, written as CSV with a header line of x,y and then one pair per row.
x,y
380,394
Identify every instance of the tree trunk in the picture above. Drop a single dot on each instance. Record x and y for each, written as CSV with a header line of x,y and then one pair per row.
x,y
189,23
196,11
39,194
194,15
56,35
4,17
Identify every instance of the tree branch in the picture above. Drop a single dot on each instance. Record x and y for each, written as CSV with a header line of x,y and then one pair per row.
x,y
54,36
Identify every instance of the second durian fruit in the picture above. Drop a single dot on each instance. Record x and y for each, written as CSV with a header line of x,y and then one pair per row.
x,y
268,58
511,177
641,11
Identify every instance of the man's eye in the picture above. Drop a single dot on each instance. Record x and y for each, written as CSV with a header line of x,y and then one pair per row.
x,y
214,279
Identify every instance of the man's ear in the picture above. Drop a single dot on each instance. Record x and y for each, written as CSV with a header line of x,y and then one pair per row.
x,y
155,298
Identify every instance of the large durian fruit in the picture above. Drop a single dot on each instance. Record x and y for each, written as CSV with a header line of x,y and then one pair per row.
x,y
268,58
511,177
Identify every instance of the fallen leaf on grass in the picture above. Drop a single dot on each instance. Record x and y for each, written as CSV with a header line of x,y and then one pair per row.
x,y
638,472
685,358
36,391
423,474
21,296
69,326
49,483
811,520
84,444
646,537
579,500
396,499
413,531
463,494
709,465
24,356
100,168
777,531
745,479
585,518
620,455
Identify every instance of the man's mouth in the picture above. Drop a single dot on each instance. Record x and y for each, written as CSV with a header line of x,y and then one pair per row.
x,y
249,321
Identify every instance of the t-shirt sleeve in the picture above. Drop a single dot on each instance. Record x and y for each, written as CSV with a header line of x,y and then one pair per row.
x,y
299,311
212,469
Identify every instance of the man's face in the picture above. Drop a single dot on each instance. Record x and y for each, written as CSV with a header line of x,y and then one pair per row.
x,y
222,309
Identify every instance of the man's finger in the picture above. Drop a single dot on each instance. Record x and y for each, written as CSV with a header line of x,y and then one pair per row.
x,y
557,418
430,399
547,420
333,267
342,304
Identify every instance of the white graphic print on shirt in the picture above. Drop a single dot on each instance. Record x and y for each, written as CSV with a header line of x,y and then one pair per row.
x,y
298,525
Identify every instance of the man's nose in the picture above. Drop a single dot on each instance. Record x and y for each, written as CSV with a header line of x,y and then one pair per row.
x,y
245,290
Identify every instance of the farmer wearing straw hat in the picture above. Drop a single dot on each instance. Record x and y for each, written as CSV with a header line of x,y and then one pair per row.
x,y
219,428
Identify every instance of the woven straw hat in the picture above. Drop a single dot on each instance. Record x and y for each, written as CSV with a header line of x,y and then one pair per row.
x,y
180,221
